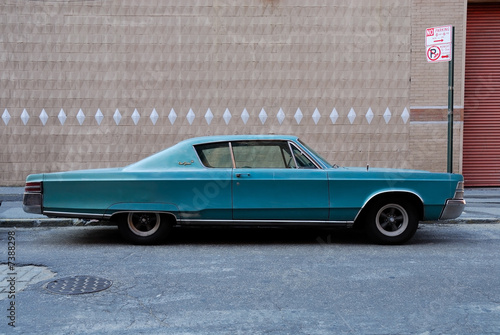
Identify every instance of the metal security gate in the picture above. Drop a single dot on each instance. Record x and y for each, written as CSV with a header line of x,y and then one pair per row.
x,y
481,151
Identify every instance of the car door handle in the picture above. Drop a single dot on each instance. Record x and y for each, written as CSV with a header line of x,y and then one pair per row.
x,y
239,175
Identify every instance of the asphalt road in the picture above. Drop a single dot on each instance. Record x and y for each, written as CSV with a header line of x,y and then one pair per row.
x,y
445,281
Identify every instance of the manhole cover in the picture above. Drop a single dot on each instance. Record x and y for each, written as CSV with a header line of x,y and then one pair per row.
x,y
78,285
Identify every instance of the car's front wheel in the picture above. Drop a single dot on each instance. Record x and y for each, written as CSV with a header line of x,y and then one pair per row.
x,y
143,227
392,221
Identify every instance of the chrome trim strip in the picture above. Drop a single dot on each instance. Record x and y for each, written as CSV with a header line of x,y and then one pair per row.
x,y
261,222
75,215
97,216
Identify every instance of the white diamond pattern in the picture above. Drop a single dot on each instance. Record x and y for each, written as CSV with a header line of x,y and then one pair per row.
x,y
227,116
245,116
209,116
316,116
172,116
136,116
387,115
6,117
80,117
43,117
352,115
263,116
99,116
334,115
25,116
405,116
369,115
298,115
154,116
117,116
281,116
190,116
62,117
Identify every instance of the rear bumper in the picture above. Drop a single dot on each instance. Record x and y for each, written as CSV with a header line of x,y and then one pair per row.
x,y
32,203
453,209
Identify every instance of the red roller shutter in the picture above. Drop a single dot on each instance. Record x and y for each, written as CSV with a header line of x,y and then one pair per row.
x,y
481,151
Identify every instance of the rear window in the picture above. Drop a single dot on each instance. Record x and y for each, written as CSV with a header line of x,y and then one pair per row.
x,y
215,155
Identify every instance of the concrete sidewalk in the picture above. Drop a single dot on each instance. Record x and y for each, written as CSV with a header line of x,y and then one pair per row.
x,y
483,206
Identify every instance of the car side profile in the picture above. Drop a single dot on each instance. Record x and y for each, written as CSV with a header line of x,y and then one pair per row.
x,y
247,180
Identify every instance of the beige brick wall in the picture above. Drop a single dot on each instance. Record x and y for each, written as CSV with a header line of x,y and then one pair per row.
x,y
429,82
234,56
429,87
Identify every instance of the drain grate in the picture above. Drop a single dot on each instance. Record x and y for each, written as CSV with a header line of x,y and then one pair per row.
x,y
78,285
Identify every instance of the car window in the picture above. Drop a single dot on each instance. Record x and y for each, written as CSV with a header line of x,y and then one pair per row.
x,y
215,155
262,154
303,162
318,156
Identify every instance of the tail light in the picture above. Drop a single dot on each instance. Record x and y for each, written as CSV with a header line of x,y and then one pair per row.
x,y
33,187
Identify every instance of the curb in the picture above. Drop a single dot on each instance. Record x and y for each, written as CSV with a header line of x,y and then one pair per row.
x,y
467,221
478,221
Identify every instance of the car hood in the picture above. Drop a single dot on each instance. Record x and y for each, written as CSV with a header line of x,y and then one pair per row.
x,y
386,173
379,170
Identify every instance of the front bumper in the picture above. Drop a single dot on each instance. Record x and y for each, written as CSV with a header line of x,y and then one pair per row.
x,y
32,203
453,209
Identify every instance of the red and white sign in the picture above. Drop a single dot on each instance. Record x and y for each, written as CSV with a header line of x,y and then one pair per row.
x,y
438,53
437,35
438,44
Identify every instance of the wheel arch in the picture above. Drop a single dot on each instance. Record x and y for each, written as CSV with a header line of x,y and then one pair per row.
x,y
409,196
115,217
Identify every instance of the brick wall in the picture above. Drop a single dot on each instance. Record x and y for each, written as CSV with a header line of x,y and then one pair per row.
x,y
105,83
429,87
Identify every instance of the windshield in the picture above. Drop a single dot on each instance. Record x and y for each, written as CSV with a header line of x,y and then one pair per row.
x,y
318,156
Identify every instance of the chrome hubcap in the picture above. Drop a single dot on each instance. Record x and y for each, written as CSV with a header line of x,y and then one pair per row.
x,y
392,220
143,224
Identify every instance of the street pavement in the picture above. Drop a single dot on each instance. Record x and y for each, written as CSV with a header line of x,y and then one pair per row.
x,y
483,206
250,282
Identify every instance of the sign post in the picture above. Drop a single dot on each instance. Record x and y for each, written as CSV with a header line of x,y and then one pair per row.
x,y
450,102
440,47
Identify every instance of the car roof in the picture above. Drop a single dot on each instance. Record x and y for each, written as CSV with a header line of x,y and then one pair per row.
x,y
223,138
183,152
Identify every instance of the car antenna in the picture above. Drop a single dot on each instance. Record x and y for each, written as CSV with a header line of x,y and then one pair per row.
x,y
369,149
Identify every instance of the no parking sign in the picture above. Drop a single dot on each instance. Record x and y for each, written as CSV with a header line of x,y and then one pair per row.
x,y
438,44
439,48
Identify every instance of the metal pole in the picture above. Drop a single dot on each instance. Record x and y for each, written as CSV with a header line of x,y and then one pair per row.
x,y
450,101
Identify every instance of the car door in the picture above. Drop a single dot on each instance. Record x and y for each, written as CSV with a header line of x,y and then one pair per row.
x,y
269,184
210,189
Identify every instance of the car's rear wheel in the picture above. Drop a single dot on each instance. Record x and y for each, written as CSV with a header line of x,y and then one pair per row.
x,y
392,221
143,227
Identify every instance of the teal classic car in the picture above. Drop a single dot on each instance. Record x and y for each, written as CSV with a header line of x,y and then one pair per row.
x,y
249,180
